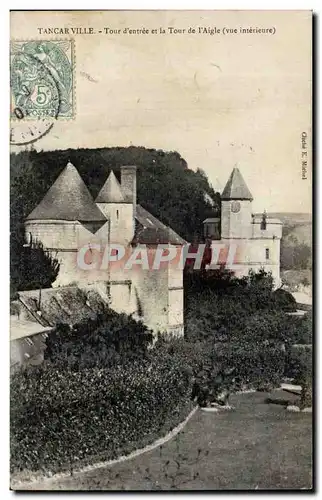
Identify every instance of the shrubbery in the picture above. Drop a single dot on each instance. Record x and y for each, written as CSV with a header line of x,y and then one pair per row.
x,y
59,418
244,321
102,342
299,349
103,391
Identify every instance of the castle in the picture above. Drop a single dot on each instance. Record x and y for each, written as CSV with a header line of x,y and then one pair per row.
x,y
68,219
254,240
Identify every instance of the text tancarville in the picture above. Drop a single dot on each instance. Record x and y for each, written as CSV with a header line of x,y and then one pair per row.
x,y
168,30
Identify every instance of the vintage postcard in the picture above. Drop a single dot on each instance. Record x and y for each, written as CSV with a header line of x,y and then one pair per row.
x,y
161,250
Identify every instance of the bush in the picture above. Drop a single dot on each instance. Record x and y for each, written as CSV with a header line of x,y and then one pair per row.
x,y
103,391
299,349
257,366
31,265
244,324
105,341
59,418
284,300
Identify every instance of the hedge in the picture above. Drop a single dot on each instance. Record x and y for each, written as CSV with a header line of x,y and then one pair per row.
x,y
62,418
102,391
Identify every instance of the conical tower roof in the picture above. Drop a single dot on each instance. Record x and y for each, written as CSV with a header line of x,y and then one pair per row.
x,y
236,188
111,191
68,199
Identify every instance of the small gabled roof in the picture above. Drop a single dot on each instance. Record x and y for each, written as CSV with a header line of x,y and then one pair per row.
x,y
111,191
150,230
236,188
68,199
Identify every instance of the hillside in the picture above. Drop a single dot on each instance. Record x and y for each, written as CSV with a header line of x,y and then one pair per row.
x,y
298,225
166,186
292,218
296,244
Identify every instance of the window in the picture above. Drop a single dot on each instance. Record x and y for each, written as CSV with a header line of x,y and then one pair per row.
x,y
117,214
267,253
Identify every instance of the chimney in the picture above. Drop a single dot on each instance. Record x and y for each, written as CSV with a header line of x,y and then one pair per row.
x,y
128,184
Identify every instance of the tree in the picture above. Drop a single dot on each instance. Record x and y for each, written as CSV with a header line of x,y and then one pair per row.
x,y
32,267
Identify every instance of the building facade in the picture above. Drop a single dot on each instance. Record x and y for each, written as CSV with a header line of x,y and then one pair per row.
x,y
68,219
252,239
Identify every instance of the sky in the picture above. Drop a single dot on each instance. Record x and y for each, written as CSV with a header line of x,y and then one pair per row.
x,y
220,100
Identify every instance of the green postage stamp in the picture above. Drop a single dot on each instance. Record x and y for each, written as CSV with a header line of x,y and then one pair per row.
x,y
42,79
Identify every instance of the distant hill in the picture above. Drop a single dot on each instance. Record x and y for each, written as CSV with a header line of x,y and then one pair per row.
x,y
295,225
291,218
296,244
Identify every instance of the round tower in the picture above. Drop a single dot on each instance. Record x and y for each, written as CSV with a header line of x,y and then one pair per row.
x,y
65,218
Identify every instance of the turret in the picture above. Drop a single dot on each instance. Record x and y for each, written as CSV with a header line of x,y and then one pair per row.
x,y
118,202
65,218
236,208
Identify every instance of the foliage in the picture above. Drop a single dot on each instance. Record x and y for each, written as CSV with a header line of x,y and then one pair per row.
x,y
244,324
299,349
295,254
59,418
300,366
103,391
166,187
31,266
105,341
294,279
225,309
284,300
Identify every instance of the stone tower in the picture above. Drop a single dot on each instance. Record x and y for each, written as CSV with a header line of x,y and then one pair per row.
x,y
110,201
236,208
118,202
66,217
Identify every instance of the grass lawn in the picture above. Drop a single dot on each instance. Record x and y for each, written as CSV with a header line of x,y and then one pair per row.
x,y
255,446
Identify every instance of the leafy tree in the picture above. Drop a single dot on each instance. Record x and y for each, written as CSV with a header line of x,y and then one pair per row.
x,y
295,254
32,267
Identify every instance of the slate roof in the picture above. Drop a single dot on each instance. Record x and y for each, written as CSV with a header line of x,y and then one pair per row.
x,y
236,188
68,199
20,328
111,191
150,230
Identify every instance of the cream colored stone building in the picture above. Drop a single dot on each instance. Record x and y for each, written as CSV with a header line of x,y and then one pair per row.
x,y
252,239
68,219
